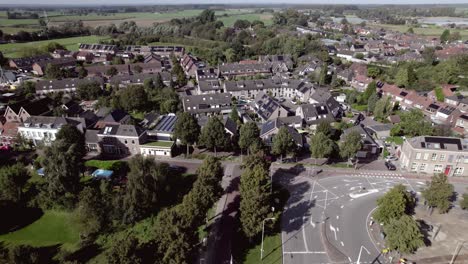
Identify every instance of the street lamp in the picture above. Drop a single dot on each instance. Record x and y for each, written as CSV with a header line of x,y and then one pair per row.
x,y
263,233
457,250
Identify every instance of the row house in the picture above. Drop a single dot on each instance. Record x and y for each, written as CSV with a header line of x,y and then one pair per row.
x,y
206,74
209,87
429,155
21,111
8,132
42,130
124,69
191,64
229,70
39,67
165,51
285,60
99,48
271,128
25,64
121,139
125,80
65,85
207,104
61,53
314,114
268,108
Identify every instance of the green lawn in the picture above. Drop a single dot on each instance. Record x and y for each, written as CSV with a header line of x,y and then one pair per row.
x,y
12,50
14,30
397,140
272,251
53,228
105,164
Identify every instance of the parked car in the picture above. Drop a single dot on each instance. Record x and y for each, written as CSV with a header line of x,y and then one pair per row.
x,y
390,166
391,157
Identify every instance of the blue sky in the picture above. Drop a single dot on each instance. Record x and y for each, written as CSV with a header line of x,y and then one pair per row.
x,y
123,2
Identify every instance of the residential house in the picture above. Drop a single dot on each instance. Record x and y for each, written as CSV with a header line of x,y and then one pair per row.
x,y
267,108
25,64
20,111
206,74
114,117
43,129
207,104
165,51
124,69
431,155
84,56
229,70
69,85
271,128
191,64
39,67
209,87
284,88
285,60
98,48
370,148
121,139
314,114
8,132
125,80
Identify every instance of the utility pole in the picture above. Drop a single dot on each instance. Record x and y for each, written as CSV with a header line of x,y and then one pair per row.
x,y
263,234
457,250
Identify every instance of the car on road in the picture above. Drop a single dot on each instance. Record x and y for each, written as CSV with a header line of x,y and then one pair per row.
x,y
390,166
177,169
391,157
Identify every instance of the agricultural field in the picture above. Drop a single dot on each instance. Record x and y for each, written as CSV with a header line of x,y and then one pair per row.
x,y
12,50
428,31
230,20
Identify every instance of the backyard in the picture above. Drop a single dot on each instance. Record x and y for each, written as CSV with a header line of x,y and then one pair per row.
x,y
52,228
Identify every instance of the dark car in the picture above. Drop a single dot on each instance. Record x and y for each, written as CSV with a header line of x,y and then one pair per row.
x,y
390,166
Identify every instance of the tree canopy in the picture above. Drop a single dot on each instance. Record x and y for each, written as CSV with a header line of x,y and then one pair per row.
x,y
439,193
249,135
350,145
13,180
186,129
283,142
213,134
394,204
321,146
403,234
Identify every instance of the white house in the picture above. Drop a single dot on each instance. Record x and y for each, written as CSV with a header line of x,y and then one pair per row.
x,y
43,129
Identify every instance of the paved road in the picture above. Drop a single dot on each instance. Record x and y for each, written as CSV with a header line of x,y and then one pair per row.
x,y
326,219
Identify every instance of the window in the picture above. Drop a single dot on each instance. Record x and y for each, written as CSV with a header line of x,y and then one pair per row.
x,y
426,156
414,166
422,167
438,168
465,159
126,142
458,171
442,157
418,155
133,141
434,157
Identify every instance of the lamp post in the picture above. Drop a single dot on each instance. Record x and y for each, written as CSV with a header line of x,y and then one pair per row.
x,y
457,250
263,233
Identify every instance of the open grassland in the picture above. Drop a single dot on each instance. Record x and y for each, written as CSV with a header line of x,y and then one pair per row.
x,y
14,30
230,20
13,50
428,31
53,228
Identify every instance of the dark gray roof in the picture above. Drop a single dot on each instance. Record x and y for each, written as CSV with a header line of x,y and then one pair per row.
x,y
70,83
233,86
139,78
204,102
51,121
91,136
316,113
209,85
230,125
115,116
272,126
121,130
368,139
265,105
250,68
380,128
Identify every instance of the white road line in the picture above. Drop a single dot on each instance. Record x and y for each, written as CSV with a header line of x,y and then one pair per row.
x,y
350,260
342,207
334,231
304,252
312,192
367,228
342,244
312,222
304,234
372,186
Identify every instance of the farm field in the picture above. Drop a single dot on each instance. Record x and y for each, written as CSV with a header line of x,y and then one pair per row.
x,y
14,30
52,228
12,50
429,31
230,20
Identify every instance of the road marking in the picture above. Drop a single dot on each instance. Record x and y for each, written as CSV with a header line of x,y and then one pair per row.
x,y
410,185
342,244
342,207
334,231
304,252
337,217
350,260
368,232
312,222
337,229
304,234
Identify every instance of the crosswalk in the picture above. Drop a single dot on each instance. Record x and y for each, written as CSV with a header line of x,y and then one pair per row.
x,y
379,175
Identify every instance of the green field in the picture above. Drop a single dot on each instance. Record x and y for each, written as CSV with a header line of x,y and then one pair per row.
x,y
14,30
53,228
230,20
429,31
272,251
12,50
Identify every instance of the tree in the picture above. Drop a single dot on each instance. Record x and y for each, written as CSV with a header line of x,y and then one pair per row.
x,y
213,134
383,108
206,16
255,199
372,102
373,72
249,135
72,136
117,61
439,193
464,202
323,78
53,71
350,145
13,180
283,142
241,24
321,146
89,90
393,205
413,124
137,69
403,234
445,36
145,183
359,56
325,128
124,250
410,30
187,129
82,72
234,115
91,211
62,163
370,90
112,71
132,98
405,77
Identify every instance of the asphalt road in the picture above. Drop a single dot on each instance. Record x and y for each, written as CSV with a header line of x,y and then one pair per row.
x,y
333,212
